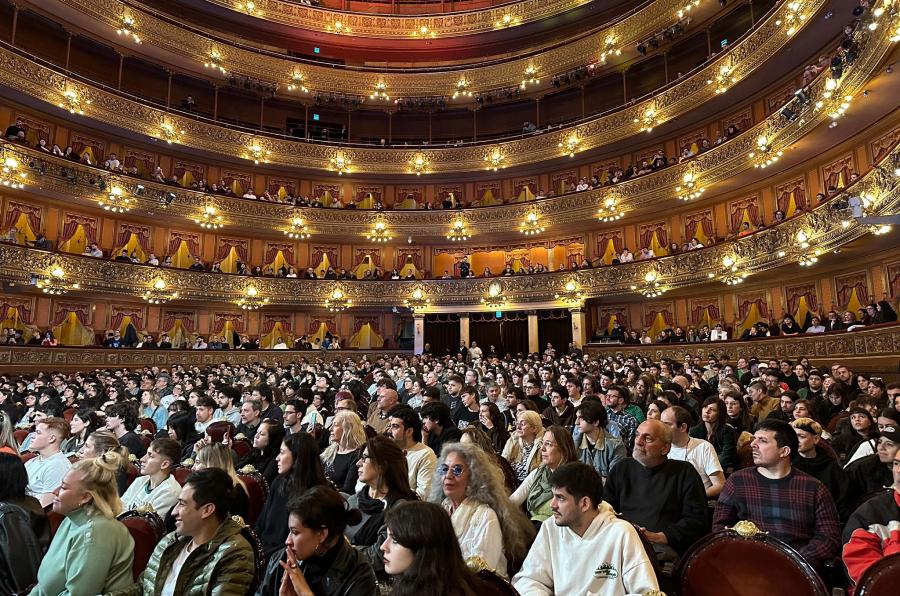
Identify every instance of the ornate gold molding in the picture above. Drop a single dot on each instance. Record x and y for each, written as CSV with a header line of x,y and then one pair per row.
x,y
400,26
360,81
823,229
864,343
49,85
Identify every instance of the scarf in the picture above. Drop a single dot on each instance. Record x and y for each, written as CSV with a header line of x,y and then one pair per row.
x,y
373,517
540,491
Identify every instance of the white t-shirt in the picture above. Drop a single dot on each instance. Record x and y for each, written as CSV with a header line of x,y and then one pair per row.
x,y
45,474
168,588
700,454
162,498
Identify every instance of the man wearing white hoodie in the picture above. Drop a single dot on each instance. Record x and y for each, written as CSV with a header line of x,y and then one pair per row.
x,y
584,548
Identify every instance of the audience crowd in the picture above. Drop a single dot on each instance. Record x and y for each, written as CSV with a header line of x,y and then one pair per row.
x,y
567,474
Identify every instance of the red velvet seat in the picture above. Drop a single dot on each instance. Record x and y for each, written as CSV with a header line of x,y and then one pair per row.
x,y
131,473
259,558
749,565
181,474
257,491
217,430
492,584
20,434
27,455
148,425
54,520
69,413
241,447
881,579
147,529
146,438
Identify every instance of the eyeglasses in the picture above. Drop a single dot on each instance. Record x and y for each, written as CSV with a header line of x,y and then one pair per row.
x,y
365,457
547,444
456,470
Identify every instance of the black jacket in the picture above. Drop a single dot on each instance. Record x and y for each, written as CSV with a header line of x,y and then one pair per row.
x,y
824,468
450,434
342,571
880,509
24,537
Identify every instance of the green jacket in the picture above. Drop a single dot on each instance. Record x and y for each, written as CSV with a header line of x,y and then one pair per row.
x,y
224,566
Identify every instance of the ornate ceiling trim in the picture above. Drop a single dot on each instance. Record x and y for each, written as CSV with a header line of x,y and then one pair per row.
x,y
794,241
188,45
742,58
400,26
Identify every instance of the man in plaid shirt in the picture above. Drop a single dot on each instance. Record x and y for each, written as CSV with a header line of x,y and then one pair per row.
x,y
784,502
616,399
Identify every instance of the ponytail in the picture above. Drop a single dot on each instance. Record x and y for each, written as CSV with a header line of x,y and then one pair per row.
x,y
98,478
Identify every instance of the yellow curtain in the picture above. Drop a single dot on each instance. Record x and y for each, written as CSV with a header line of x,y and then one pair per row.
x,y
126,321
327,199
89,151
792,204
366,338
282,193
525,195
141,166
182,258
610,253
323,266
706,319
317,337
366,265
76,244
408,267
408,203
179,336
753,317
700,234
238,188
187,179
518,263
746,219
24,231
33,136
841,183
278,262
802,311
488,198
854,304
659,323
72,333
228,332
657,248
268,341
229,263
695,148
14,321
563,187
609,326
367,203
133,244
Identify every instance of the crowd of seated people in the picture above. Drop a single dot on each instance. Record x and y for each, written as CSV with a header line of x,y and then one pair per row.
x,y
541,468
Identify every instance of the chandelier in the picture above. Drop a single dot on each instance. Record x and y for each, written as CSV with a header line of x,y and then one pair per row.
x,y
723,79
458,231
257,153
168,133
648,120
880,229
792,19
651,288
610,49
462,88
609,211
495,297
530,77
532,224
215,61
731,275
419,164
379,232
249,7
570,293
809,259
689,190
297,229
252,300
340,163
72,103
209,219
417,300
116,201
764,155
571,144
337,301
297,83
11,175
380,92
494,158
55,283
507,20
127,28
158,293
338,27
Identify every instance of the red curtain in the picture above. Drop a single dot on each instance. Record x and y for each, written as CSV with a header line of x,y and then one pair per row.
x,y
358,323
745,306
784,199
79,147
808,292
236,320
361,254
62,310
193,242
286,249
415,254
142,233
268,323
737,213
226,244
862,292
88,223
14,210
652,314
187,320
24,308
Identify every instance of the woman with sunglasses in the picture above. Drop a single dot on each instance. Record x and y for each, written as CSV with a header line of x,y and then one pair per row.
x,y
383,471
490,529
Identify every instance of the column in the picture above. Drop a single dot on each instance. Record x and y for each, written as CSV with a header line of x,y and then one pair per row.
x,y
579,326
418,333
533,344
464,327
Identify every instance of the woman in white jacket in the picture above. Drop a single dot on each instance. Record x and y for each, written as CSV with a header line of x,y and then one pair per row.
x,y
523,449
490,529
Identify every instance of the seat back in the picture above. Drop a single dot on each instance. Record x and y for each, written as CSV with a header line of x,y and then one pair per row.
x,y
147,529
148,425
217,430
69,413
881,579
27,455
494,585
131,473
20,434
746,562
257,492
54,520
241,448
181,474
259,557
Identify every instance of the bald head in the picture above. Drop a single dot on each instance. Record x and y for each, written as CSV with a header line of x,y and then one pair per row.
x,y
387,399
652,443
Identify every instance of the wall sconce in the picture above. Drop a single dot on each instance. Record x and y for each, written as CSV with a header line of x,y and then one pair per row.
x,y
494,158
507,20
257,153
379,232
571,144
651,288
723,79
215,61
423,31
765,155
252,299
380,91
297,83
687,8
338,27
495,297
792,19
168,133
458,231
417,301
11,175
531,77
127,28
209,219
570,293
158,293
609,211
116,201
55,284
689,190
72,103
341,162
532,225
649,119
297,229
337,301
462,88
419,164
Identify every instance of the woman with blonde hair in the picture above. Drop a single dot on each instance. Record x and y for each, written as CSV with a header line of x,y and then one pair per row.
x,y
92,552
217,455
491,530
522,450
152,408
101,442
340,458
8,443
